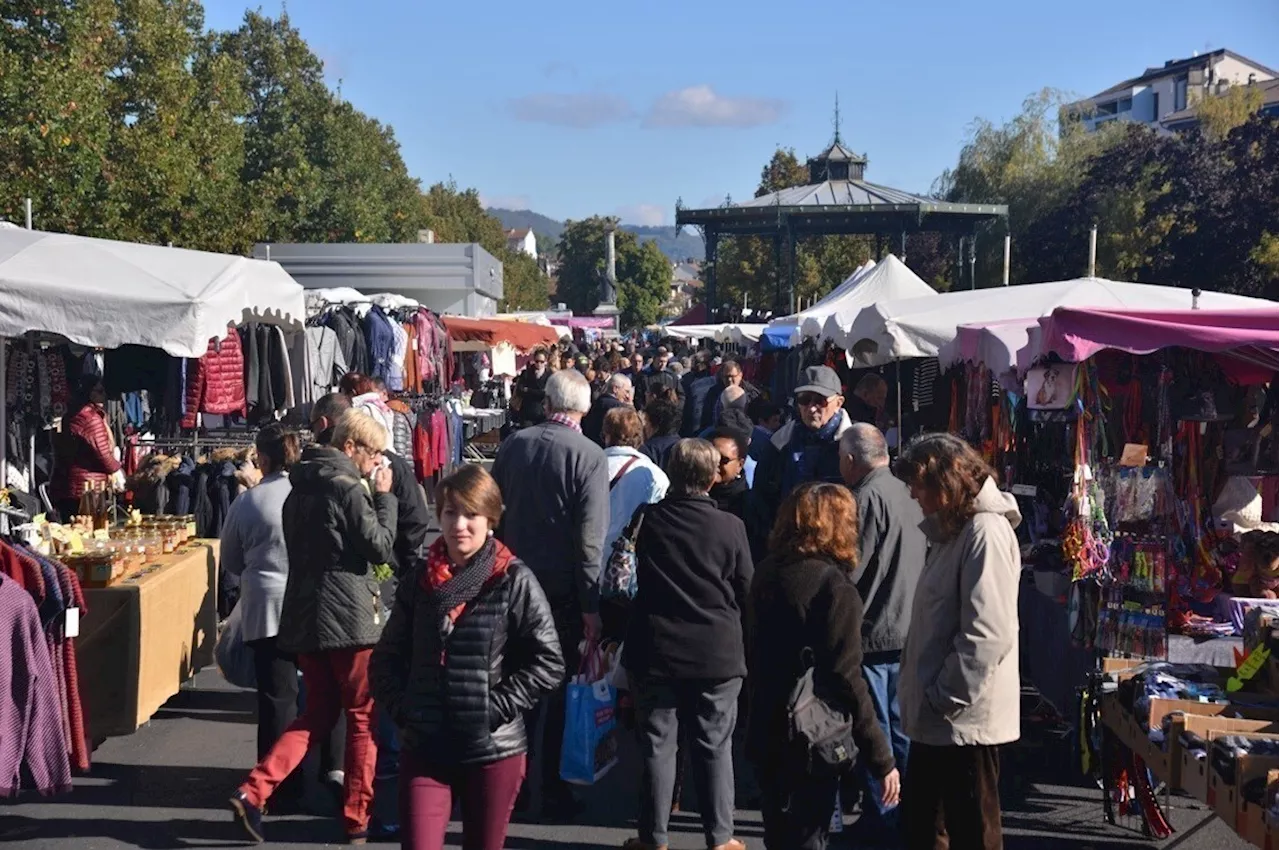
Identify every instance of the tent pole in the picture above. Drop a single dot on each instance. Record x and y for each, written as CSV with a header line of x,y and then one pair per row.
x,y
898,366
27,204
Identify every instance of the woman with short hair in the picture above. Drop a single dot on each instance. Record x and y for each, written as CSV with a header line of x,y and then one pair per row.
x,y
253,548
684,653
470,647
959,690
805,609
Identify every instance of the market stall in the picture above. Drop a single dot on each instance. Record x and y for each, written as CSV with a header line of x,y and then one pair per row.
x,y
126,621
170,600
920,327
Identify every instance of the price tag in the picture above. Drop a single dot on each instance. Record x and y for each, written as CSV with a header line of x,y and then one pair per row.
x,y
75,544
71,628
101,534
1024,489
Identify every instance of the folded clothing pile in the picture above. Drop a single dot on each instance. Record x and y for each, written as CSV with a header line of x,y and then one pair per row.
x,y
1161,679
1225,750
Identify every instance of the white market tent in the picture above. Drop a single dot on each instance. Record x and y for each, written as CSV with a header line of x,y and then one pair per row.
x,y
920,327
831,318
103,293
786,329
728,332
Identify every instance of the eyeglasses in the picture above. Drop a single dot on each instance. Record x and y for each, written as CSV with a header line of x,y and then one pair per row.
x,y
811,400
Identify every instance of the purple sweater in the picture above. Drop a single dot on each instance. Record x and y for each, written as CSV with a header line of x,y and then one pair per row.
x,y
31,727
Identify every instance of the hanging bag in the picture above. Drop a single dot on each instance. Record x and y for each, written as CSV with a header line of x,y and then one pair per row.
x,y
618,579
233,656
820,737
590,745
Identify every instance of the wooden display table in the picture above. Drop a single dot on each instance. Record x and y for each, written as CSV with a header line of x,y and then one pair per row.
x,y
143,637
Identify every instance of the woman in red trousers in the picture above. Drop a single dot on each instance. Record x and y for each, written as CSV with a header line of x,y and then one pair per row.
x,y
470,647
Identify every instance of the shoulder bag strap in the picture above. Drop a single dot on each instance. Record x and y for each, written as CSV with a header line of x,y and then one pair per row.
x,y
623,471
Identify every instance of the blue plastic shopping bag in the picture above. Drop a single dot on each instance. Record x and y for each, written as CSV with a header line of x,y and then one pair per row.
x,y
590,748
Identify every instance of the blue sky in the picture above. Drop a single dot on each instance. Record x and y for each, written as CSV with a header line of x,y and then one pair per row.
x,y
574,108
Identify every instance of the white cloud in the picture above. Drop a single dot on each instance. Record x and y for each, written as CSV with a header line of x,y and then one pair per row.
x,y
559,66
645,215
581,111
701,106
505,202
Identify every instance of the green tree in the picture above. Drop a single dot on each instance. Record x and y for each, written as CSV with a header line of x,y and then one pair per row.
x,y
644,274
1220,114
176,143
55,124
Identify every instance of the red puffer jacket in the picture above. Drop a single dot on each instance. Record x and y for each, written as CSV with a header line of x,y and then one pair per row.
x,y
215,382
89,456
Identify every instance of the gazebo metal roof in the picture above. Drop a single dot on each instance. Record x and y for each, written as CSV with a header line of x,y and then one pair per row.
x,y
836,201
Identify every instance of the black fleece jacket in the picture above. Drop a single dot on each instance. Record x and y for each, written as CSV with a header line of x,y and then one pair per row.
x,y
799,603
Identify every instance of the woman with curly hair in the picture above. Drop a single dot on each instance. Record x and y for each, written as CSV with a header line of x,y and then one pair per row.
x,y
805,609
959,690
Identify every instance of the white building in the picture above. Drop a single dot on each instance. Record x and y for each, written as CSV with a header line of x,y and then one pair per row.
x,y
522,241
1165,97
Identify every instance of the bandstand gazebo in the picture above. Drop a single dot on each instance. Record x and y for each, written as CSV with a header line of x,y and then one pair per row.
x,y
837,201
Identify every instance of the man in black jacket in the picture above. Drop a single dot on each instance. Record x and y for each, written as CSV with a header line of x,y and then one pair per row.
x,y
892,550
619,394
336,527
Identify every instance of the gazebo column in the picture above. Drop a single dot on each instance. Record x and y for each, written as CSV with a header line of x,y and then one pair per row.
x,y
778,273
709,295
791,266
879,247
973,260
903,255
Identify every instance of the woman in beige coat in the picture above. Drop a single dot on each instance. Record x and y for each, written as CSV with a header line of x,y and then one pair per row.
x,y
959,689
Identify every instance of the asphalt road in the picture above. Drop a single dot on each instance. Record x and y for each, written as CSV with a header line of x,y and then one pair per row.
x,y
166,787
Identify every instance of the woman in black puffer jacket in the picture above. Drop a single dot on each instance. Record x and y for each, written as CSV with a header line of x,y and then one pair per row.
x,y
469,648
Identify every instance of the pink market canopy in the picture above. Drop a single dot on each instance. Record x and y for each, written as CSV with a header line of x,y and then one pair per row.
x,y
1251,336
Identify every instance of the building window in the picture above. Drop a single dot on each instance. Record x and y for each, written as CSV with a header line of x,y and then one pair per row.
x,y
1155,106
1179,93
1105,109
1124,104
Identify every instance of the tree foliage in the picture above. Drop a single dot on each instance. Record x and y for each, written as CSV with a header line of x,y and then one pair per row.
x,y
1190,209
644,274
127,119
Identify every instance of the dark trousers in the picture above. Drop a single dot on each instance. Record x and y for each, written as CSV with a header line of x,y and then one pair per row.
x,y
797,810
277,674
951,798
880,672
702,713
488,794
568,619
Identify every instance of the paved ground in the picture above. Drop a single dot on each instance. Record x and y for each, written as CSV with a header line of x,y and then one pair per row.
x,y
166,786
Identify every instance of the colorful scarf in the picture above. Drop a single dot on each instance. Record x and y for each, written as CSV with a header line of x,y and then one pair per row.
x,y
451,592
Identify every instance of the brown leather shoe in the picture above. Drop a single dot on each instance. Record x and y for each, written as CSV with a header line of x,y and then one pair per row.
x,y
731,844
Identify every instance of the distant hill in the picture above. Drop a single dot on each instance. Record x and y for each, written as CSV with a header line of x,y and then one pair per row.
x,y
687,244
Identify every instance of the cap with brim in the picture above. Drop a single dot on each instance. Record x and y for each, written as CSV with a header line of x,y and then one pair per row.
x,y
821,380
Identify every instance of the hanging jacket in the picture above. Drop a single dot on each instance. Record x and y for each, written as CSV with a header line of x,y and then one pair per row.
x,y
34,740
90,459
181,483
216,382
327,362
381,341
373,405
396,367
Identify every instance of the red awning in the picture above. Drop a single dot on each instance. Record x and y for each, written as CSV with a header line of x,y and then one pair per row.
x,y
523,336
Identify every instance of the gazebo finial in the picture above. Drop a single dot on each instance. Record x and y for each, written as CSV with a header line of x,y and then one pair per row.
x,y
836,120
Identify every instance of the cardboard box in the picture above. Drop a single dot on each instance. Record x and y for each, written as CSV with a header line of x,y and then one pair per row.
x,y
1252,821
1167,763
1224,794
1193,776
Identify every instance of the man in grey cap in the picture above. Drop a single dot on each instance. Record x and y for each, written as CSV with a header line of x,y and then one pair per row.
x,y
805,449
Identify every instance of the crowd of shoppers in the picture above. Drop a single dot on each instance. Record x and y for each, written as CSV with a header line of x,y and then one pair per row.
x,y
779,549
